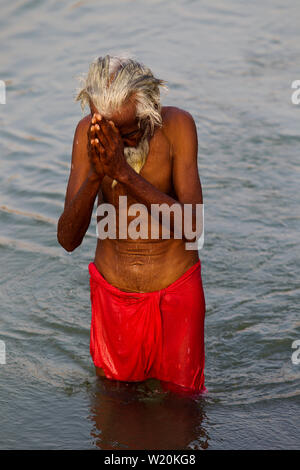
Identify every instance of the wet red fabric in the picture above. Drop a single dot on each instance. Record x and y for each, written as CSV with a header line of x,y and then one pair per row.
x,y
160,334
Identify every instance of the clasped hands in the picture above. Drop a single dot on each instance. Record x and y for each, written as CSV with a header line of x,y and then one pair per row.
x,y
106,148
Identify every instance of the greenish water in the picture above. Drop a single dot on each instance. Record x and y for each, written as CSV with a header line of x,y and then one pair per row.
x,y
231,65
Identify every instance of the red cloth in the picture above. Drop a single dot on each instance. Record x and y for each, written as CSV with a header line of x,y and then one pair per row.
x,y
160,334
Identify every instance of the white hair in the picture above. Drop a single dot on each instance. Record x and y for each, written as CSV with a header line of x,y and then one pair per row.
x,y
112,80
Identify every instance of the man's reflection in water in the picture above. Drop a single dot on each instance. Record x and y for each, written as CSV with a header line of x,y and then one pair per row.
x,y
143,415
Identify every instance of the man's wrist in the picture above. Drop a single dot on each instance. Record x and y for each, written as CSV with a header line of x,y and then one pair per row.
x,y
125,174
95,178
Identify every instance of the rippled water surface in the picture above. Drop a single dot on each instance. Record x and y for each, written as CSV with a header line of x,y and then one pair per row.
x,y
231,65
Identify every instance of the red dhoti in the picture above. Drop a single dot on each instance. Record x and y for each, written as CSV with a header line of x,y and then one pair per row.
x,y
160,334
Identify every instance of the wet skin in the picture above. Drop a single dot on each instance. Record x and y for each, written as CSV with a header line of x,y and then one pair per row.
x,y
170,175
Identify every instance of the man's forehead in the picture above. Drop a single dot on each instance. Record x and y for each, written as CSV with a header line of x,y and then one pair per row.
x,y
125,116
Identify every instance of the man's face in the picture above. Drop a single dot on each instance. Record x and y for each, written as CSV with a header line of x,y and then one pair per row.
x,y
127,123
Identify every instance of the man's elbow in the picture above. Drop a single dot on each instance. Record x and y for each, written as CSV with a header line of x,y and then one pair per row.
x,y
68,244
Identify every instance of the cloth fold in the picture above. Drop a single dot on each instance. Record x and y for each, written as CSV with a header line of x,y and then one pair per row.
x,y
159,334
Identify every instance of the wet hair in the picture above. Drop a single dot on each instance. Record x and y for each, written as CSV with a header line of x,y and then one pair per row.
x,y
112,80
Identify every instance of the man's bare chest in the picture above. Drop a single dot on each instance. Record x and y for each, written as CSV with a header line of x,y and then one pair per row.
x,y
157,170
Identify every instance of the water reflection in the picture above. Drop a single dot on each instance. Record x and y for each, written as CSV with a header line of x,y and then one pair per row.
x,y
143,415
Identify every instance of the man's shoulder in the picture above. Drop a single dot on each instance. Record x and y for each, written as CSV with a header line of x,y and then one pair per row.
x,y
173,112
83,125
177,123
176,118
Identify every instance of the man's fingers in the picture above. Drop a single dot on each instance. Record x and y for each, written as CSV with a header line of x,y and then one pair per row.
x,y
96,142
101,136
94,150
105,127
92,132
108,128
99,133
95,118
98,145
104,133
102,153
101,121
113,127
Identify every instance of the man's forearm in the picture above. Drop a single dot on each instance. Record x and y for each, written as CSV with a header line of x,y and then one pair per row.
x,y
75,220
148,194
144,191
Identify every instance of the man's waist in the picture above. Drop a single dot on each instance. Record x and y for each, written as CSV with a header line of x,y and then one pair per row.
x,y
140,267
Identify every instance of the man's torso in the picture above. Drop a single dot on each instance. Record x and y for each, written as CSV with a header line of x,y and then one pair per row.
x,y
145,265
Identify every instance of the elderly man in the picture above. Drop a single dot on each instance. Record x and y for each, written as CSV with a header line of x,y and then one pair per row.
x,y
147,298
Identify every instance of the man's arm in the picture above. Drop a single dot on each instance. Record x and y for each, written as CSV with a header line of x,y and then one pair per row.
x,y
83,186
182,134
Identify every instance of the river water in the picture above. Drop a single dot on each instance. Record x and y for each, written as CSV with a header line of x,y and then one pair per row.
x,y
230,64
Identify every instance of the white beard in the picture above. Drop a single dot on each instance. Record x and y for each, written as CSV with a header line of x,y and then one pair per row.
x,y
136,156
